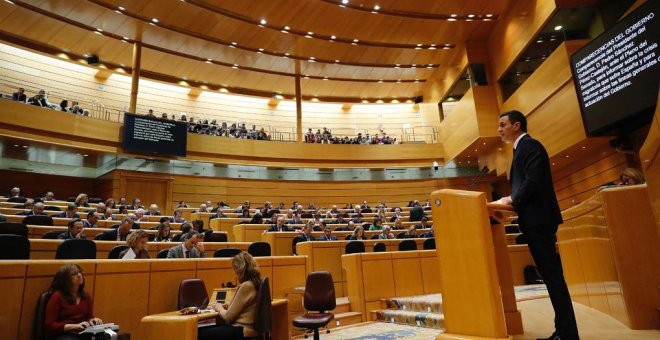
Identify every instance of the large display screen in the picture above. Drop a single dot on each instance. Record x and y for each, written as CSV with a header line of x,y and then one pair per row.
x,y
154,136
616,74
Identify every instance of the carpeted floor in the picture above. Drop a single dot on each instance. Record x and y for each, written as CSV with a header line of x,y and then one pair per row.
x,y
381,331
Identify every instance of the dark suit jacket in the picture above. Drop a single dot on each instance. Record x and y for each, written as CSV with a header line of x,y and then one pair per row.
x,y
532,191
273,227
416,214
21,97
111,235
325,238
217,216
63,215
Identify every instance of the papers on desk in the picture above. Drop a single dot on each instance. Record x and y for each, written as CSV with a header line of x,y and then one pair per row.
x,y
130,254
100,328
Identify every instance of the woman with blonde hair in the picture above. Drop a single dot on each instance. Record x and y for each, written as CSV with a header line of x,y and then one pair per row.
x,y
237,319
137,242
631,176
81,200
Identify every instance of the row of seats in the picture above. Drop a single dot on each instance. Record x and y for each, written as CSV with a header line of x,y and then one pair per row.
x,y
353,247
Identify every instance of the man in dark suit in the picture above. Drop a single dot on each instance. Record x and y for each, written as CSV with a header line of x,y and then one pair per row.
x,y
19,96
417,212
71,212
533,198
279,225
117,234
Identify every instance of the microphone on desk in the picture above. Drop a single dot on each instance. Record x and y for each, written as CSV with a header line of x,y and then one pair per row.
x,y
484,171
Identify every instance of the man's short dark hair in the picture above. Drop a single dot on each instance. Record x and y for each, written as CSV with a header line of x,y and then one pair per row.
x,y
189,235
73,221
516,116
90,213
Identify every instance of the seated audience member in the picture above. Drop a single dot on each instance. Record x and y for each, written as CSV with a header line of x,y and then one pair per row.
x,y
19,95
296,220
139,216
365,208
424,223
256,218
202,208
427,234
334,209
137,243
279,225
189,247
123,209
120,233
245,213
178,217
377,225
417,212
198,226
75,230
153,210
136,204
306,234
397,215
386,234
91,220
110,203
411,232
186,227
182,204
289,215
122,201
107,215
69,309
100,210
71,212
631,176
40,99
37,209
398,224
327,235
427,204
382,214
358,234
219,213
29,204
15,192
164,233
81,200
219,205
239,316
50,196
64,105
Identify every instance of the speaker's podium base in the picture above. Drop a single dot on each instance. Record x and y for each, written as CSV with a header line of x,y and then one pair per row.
x,y
514,323
447,336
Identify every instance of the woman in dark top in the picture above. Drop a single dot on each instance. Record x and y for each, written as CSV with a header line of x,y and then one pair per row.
x,y
69,310
358,234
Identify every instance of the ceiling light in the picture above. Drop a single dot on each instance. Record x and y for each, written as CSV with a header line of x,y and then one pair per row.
x,y
355,40
470,15
263,21
97,32
310,33
286,28
121,8
336,60
398,81
432,48
333,37
286,54
376,7
489,15
558,28
325,78
454,15
451,19
235,66
125,38
345,2
539,41
397,65
234,43
380,81
154,20
223,90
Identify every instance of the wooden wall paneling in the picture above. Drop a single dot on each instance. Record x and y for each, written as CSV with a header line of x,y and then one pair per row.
x,y
163,278
487,111
650,158
288,272
438,84
12,284
460,129
408,278
149,187
36,185
515,30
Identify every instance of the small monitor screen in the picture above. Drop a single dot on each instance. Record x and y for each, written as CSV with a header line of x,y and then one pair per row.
x,y
154,136
616,74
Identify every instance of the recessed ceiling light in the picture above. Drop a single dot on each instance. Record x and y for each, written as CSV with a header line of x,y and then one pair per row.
x,y
333,37
470,15
235,66
345,2
432,48
286,54
310,33
121,8
263,21
336,60
97,32
558,28
223,90
154,20
325,78
287,28
355,40
489,15
234,43
261,50
380,81
454,15
376,7
539,41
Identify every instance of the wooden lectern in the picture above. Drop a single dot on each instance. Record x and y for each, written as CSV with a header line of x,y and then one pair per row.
x,y
477,286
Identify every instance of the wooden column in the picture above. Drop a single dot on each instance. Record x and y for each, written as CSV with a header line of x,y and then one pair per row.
x,y
135,76
299,130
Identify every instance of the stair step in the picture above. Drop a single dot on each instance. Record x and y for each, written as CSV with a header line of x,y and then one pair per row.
x,y
345,319
412,318
343,306
423,304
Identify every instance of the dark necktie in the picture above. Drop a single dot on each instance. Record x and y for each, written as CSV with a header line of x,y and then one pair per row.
x,y
187,253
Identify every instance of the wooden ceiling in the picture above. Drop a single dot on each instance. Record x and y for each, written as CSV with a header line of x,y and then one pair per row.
x,y
344,52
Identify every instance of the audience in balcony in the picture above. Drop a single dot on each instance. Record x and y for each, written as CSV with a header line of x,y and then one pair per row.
x,y
41,100
137,246
19,95
74,230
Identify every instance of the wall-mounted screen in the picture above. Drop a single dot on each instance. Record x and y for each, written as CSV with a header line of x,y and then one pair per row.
x,y
154,136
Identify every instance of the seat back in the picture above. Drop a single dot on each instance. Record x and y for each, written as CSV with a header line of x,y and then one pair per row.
x,y
52,208
348,237
38,220
52,235
319,292
258,249
114,252
374,237
215,237
192,293
226,252
379,247
521,239
14,228
294,242
263,320
14,247
401,235
38,329
407,245
355,247
162,254
76,249
429,243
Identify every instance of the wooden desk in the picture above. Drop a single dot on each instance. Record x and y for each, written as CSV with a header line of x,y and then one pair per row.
x,y
173,326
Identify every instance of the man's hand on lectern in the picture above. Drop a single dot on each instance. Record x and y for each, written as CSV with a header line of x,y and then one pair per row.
x,y
504,200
